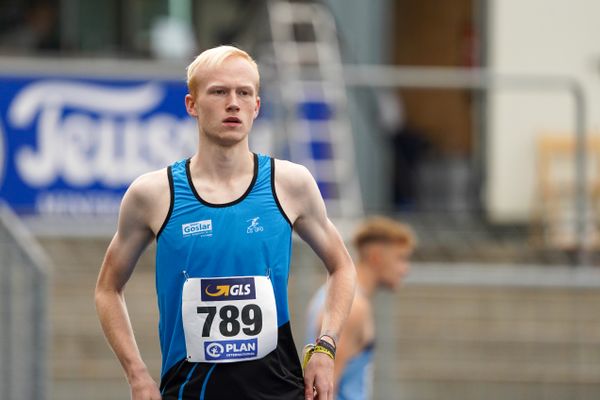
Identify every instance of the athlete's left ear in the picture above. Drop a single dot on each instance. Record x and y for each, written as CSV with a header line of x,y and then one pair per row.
x,y
190,105
257,108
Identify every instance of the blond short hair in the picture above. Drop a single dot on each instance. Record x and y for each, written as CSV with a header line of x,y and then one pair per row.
x,y
383,230
213,58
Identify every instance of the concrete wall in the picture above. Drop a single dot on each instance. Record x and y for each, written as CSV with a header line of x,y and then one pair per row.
x,y
556,37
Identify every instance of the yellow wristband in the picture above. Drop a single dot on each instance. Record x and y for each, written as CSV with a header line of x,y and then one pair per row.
x,y
308,352
321,349
310,349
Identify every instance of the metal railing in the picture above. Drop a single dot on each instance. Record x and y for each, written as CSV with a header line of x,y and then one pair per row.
x,y
363,76
383,76
24,271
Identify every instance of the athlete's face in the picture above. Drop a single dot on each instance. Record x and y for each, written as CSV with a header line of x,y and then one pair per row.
x,y
226,101
393,264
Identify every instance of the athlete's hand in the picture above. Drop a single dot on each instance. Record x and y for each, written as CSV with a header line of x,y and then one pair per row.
x,y
318,378
144,388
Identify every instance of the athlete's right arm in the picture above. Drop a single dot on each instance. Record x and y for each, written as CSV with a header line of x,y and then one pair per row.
x,y
134,233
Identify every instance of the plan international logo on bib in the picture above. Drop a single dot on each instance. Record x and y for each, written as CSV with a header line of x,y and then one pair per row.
x,y
202,228
231,349
223,289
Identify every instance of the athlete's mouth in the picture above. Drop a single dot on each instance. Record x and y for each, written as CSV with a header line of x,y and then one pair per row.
x,y
232,120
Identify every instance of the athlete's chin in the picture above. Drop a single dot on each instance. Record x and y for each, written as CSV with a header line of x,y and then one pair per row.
x,y
228,139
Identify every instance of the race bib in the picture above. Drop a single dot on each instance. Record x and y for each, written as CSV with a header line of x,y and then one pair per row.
x,y
229,319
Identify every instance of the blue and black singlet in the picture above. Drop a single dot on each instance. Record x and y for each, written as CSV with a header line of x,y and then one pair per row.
x,y
250,236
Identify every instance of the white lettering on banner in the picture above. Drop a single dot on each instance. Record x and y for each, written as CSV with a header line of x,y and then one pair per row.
x,y
2,155
90,133
76,203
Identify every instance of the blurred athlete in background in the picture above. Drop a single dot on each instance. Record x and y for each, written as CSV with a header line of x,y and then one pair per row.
x,y
223,222
383,248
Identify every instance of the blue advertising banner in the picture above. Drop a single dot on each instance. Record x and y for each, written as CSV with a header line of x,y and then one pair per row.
x,y
71,146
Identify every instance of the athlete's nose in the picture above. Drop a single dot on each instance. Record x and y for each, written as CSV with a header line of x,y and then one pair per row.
x,y
232,103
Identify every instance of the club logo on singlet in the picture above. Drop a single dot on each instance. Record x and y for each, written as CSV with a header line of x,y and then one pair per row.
x,y
201,228
255,226
228,289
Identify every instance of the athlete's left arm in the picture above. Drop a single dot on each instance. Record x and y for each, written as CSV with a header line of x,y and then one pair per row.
x,y
302,201
319,232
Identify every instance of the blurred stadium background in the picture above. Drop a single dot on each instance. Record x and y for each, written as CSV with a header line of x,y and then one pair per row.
x,y
475,121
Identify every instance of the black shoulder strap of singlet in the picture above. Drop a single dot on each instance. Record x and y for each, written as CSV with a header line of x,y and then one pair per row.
x,y
275,192
172,194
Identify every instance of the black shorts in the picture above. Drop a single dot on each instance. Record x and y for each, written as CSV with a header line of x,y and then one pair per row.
x,y
276,376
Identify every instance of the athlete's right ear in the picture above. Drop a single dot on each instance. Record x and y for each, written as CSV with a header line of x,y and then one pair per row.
x,y
190,105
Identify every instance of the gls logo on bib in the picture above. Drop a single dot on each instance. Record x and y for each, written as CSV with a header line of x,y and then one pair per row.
x,y
222,289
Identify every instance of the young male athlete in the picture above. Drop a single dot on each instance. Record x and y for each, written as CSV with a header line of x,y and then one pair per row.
x,y
384,247
223,221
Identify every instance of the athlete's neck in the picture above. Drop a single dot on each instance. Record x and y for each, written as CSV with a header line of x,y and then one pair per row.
x,y
218,163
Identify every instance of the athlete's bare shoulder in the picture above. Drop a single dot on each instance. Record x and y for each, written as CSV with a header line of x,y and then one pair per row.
x,y
295,187
149,185
291,176
149,197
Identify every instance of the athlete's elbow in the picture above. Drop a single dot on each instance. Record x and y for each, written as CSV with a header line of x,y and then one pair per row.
x,y
346,272
101,295
352,275
106,291
99,299
349,268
